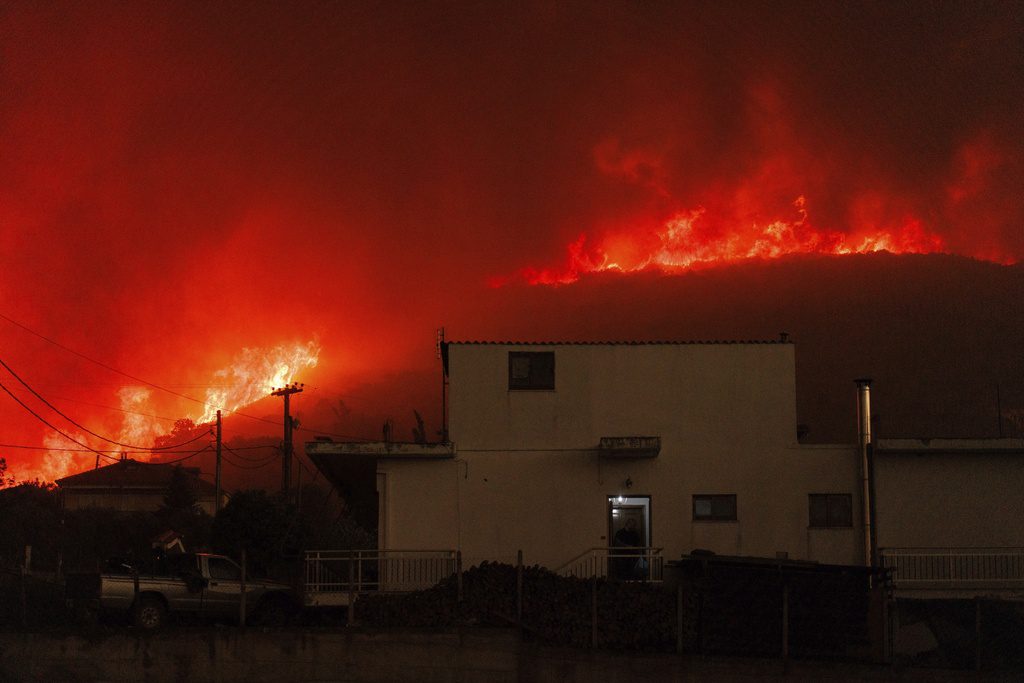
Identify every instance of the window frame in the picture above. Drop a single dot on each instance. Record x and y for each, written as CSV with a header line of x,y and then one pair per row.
x,y
530,383
212,562
830,511
711,498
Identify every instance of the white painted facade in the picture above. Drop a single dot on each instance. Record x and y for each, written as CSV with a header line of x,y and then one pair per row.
x,y
526,469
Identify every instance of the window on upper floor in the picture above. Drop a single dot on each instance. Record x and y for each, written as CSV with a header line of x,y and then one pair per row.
x,y
830,510
714,507
531,370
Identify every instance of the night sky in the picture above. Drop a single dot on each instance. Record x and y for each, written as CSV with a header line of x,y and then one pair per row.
x,y
180,182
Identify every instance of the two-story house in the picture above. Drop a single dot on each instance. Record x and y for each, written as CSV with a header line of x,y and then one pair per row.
x,y
553,447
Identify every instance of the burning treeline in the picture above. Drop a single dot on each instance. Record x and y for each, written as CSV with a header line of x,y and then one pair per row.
x,y
251,376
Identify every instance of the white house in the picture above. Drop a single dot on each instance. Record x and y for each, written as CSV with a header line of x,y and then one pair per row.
x,y
553,446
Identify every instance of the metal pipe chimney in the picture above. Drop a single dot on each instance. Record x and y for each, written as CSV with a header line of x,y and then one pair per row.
x,y
864,442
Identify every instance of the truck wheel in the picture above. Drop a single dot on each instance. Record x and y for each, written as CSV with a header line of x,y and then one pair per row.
x,y
149,613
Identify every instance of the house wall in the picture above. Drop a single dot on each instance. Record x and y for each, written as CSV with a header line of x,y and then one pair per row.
x,y
124,501
949,500
528,476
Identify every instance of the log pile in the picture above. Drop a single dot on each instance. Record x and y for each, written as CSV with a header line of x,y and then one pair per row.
x,y
556,609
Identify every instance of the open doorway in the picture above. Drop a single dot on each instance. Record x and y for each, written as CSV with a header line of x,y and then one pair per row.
x,y
629,529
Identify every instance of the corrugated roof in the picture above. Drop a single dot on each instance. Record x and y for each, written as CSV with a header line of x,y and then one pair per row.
x,y
133,474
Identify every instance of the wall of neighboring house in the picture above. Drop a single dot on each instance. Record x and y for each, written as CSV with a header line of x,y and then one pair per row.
x,y
116,499
528,475
125,500
949,493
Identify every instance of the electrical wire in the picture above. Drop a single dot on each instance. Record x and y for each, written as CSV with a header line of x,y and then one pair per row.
x,y
120,410
245,467
83,427
268,458
43,420
187,457
160,387
99,363
85,450
163,388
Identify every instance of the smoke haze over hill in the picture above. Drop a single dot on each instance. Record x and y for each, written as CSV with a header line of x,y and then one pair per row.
x,y
182,182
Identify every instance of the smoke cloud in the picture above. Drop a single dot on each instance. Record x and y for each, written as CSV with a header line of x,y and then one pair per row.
x,y
182,181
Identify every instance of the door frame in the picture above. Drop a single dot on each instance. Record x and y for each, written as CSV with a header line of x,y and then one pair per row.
x,y
632,500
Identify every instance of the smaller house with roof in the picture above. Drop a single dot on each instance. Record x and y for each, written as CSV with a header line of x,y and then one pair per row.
x,y
131,486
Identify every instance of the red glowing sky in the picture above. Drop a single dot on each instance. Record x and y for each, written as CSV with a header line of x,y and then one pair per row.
x,y
181,181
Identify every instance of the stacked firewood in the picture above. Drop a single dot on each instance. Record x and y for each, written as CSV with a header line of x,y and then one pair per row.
x,y
555,609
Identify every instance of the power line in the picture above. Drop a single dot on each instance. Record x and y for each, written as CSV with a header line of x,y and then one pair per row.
x,y
121,372
99,363
84,450
120,410
43,420
83,427
245,467
187,457
169,391
268,458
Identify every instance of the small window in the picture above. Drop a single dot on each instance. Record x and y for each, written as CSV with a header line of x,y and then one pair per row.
x,y
831,510
714,507
531,370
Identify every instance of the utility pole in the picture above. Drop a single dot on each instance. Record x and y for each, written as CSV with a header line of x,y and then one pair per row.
x,y
286,447
216,505
444,385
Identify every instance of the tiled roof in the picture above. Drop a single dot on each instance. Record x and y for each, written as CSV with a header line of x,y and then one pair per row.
x,y
133,474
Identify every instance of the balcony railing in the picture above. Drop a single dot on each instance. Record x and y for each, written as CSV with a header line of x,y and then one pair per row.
x,y
620,564
955,567
337,576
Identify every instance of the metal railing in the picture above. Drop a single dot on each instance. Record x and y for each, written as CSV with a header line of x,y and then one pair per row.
x,y
619,564
954,567
372,571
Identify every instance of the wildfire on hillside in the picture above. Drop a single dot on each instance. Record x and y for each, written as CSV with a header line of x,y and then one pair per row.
x,y
250,376
694,239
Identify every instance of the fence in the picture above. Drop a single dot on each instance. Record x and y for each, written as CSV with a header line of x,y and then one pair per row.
x,y
633,564
955,567
336,577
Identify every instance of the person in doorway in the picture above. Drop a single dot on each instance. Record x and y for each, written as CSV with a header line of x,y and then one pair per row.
x,y
627,549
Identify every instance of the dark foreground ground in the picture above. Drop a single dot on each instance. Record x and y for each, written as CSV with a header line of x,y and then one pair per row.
x,y
430,640
329,654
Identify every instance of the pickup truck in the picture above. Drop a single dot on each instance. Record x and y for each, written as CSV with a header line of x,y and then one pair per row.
x,y
201,584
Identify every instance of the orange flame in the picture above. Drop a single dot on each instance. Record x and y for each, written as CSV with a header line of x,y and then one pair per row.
x,y
252,374
690,240
59,463
136,428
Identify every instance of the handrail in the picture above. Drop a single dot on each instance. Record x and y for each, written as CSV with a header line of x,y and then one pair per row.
x,y
585,553
328,571
621,563
953,567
